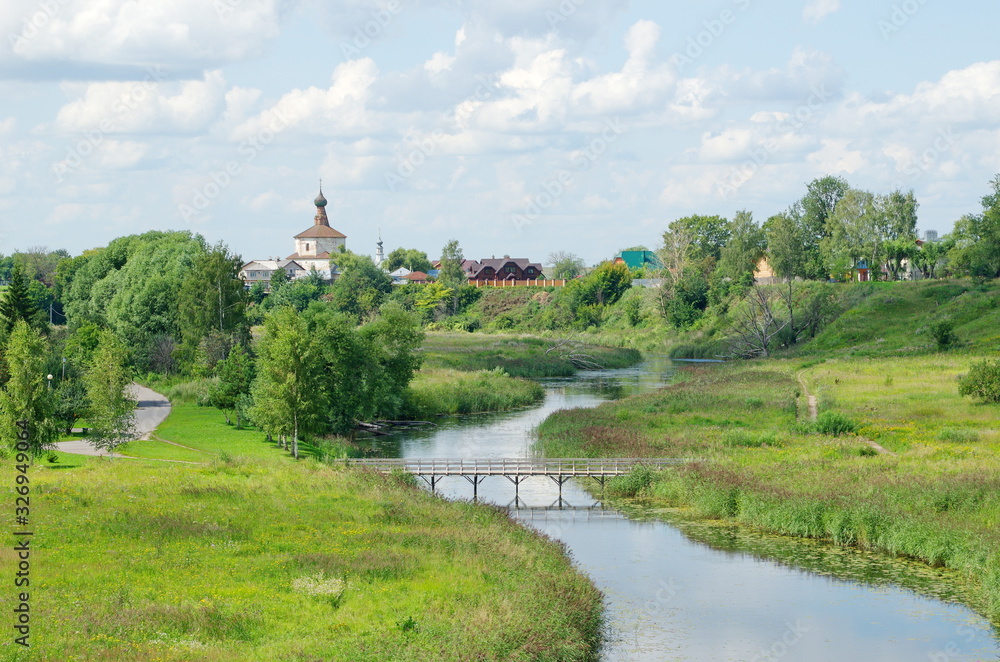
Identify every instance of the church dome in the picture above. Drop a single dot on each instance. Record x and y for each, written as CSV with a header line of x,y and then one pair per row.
x,y
320,201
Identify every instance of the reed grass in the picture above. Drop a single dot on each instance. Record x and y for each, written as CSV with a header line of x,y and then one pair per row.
x,y
440,392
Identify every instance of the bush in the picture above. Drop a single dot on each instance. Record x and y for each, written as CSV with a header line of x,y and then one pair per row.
x,y
835,424
944,334
982,381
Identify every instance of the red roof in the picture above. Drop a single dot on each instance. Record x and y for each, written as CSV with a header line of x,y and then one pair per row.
x,y
320,231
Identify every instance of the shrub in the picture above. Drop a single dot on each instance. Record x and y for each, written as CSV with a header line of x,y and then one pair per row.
x,y
835,424
982,381
944,334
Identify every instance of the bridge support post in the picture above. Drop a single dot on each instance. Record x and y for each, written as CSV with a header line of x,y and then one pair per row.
x,y
559,480
431,480
517,484
475,480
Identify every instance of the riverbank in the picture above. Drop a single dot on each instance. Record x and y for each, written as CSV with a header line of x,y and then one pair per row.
x,y
521,356
932,495
252,556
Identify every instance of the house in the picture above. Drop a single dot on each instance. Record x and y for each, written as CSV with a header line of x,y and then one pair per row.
x,y
639,259
399,276
505,268
417,277
763,273
314,248
260,271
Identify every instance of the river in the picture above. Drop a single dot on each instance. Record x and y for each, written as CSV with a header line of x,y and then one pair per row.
x,y
689,591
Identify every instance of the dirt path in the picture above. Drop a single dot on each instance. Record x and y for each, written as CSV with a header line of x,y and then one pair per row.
x,y
810,399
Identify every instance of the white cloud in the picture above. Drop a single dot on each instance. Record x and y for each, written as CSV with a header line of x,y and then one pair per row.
x,y
816,10
336,110
119,155
127,32
128,107
836,156
439,62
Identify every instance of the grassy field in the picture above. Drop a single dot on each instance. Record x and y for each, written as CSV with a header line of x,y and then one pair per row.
x,y
933,495
248,559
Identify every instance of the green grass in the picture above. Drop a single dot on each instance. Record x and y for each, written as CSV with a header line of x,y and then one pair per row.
x,y
437,392
765,465
252,559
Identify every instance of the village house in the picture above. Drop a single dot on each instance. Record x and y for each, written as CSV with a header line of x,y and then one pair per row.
x,y
639,259
505,268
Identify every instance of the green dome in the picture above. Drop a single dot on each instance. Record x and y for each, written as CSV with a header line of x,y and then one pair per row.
x,y
320,200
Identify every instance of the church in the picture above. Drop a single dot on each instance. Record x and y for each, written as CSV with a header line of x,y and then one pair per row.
x,y
313,249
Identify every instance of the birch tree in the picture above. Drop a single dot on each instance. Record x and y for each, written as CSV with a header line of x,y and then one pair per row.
x,y
290,398
112,407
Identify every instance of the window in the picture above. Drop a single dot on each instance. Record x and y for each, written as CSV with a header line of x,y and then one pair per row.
x,y
510,268
531,270
307,247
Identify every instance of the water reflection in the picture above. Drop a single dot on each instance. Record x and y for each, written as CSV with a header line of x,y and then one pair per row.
x,y
697,591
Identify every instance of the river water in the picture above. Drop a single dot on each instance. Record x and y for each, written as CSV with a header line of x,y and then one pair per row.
x,y
690,591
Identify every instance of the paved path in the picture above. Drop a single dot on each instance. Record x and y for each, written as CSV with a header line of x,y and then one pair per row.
x,y
152,410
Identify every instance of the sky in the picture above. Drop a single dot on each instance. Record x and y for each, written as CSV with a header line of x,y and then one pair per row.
x,y
520,127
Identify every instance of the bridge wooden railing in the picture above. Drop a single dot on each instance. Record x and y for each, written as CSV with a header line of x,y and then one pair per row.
x,y
515,466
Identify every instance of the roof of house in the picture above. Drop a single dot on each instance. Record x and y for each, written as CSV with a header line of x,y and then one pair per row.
x,y
416,275
321,232
474,267
640,259
271,265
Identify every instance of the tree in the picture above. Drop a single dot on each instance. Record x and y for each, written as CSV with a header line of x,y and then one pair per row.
x,y
566,265
361,287
16,305
112,408
708,235
857,232
390,342
739,257
410,258
452,274
236,374
756,323
786,247
26,403
279,278
289,394
258,291
814,210
982,381
977,239
211,299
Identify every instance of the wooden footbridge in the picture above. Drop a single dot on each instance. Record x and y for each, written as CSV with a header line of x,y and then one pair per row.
x,y
514,469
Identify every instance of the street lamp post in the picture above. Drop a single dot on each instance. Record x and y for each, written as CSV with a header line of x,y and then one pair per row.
x,y
49,377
